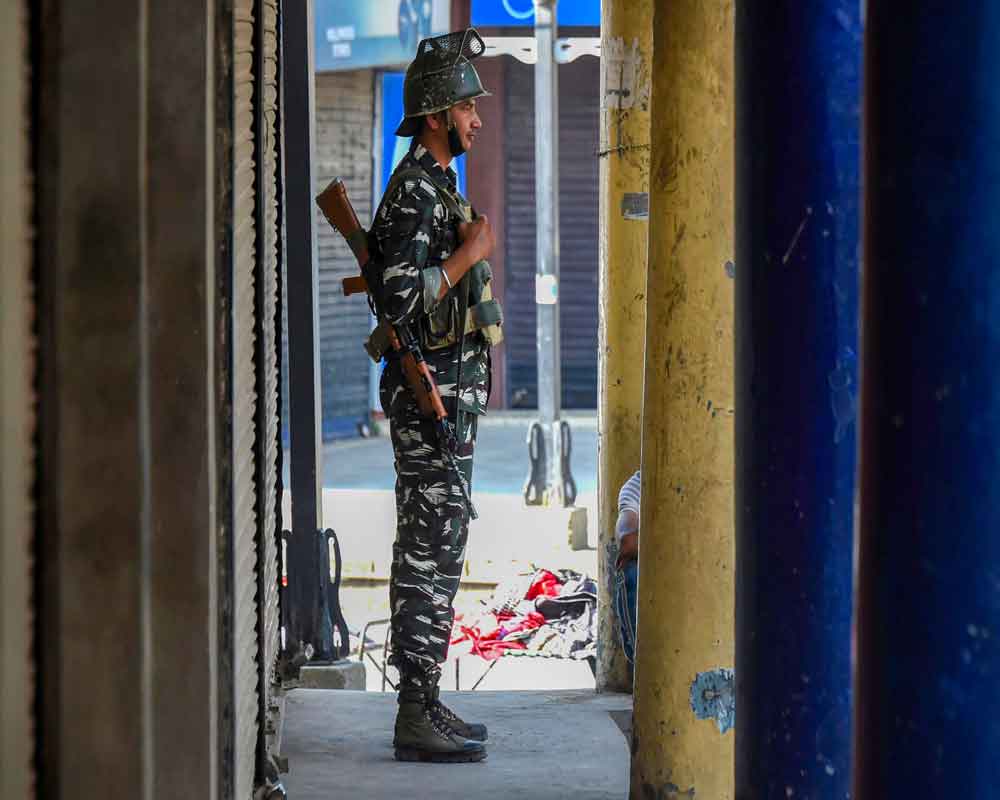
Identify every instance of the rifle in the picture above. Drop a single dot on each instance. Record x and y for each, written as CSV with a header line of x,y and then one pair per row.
x,y
336,207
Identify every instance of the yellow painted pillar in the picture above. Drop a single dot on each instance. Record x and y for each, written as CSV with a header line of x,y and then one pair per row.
x,y
683,686
626,60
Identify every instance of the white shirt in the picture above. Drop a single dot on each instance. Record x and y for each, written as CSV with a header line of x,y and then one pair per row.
x,y
628,499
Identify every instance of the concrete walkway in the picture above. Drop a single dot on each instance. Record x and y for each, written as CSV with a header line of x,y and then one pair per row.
x,y
543,746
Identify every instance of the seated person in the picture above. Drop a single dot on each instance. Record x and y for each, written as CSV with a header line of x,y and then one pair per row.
x,y
626,567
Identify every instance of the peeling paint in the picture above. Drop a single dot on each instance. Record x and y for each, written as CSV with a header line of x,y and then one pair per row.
x,y
626,76
713,696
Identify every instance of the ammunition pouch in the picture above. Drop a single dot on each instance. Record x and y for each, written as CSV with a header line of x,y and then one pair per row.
x,y
485,312
441,328
484,315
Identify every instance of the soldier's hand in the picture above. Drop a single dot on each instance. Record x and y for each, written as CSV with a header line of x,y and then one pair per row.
x,y
479,237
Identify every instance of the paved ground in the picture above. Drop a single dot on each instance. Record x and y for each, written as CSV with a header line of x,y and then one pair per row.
x,y
543,746
501,456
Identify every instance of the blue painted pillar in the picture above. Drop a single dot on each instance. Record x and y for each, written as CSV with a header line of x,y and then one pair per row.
x,y
798,97
928,672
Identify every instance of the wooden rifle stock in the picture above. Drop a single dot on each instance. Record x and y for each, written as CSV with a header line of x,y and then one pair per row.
x,y
339,212
336,207
354,285
418,375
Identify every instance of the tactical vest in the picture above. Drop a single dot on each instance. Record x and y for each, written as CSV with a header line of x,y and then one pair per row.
x,y
443,327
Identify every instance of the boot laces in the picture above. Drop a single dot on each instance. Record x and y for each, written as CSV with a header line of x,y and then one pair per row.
x,y
445,712
440,726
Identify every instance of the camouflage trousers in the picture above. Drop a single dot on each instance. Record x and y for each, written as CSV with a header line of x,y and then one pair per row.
x,y
432,528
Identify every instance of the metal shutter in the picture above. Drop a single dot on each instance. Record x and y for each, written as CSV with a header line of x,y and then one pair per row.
x,y
17,412
579,106
269,444
244,567
344,128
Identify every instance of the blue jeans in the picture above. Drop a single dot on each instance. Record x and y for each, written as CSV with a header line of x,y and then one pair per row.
x,y
626,584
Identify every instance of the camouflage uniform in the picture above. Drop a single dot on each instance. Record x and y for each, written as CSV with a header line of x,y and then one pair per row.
x,y
416,234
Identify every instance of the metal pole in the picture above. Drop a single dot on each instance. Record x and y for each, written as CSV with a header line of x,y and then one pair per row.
x,y
797,196
928,637
547,243
306,604
378,126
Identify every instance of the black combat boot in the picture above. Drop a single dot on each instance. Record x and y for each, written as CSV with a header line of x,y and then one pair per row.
x,y
422,736
475,731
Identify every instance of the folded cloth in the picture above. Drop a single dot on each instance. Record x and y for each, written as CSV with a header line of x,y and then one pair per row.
x,y
555,615
544,584
509,594
506,636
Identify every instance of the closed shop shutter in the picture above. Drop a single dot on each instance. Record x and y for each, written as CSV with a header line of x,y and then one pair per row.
x,y
17,412
579,98
344,128
269,443
244,541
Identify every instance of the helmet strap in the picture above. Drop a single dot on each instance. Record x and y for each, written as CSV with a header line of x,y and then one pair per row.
x,y
455,146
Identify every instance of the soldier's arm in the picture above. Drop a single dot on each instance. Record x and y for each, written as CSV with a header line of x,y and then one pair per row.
x,y
409,287
478,241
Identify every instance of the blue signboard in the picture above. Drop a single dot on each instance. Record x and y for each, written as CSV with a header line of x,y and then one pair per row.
x,y
522,12
395,147
353,34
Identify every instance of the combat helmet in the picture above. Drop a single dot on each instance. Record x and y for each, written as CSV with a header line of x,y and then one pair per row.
x,y
440,76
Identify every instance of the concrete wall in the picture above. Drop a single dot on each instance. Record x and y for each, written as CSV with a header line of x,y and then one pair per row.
x,y
17,411
626,62
685,638
132,214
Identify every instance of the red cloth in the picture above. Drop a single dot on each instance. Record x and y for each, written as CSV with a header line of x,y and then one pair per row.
x,y
491,645
488,639
490,651
546,585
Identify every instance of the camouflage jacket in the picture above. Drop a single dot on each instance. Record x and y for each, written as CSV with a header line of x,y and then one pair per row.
x,y
416,235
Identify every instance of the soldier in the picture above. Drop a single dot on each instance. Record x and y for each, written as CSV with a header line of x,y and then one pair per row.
x,y
435,282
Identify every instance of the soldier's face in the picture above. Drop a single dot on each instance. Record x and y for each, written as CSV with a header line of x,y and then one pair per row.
x,y
467,122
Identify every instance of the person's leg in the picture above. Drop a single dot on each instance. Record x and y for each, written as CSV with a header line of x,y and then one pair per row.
x,y
626,599
432,528
449,585
428,554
